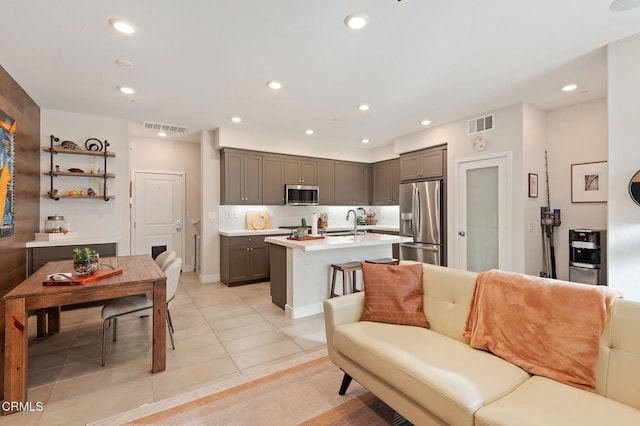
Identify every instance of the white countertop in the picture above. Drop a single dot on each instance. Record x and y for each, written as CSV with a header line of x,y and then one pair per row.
x,y
72,242
281,231
337,242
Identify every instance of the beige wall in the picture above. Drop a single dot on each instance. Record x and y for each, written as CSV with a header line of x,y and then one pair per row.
x,y
624,160
575,134
534,143
166,155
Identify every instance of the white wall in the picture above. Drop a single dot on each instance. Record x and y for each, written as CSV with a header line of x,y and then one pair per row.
x,y
210,194
534,143
575,134
91,218
166,155
241,138
624,160
506,137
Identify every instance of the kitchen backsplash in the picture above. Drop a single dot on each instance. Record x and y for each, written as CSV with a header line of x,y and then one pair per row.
x,y
234,217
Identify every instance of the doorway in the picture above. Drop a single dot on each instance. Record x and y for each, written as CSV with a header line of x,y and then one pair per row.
x,y
483,222
157,212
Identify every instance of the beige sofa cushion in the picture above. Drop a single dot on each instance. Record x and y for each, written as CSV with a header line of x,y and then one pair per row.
x,y
447,297
623,380
449,377
542,401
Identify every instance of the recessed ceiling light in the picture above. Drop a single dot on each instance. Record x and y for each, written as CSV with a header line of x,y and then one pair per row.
x,y
122,26
162,134
309,131
569,87
126,90
425,122
236,119
275,85
356,21
363,107
622,5
124,63
365,140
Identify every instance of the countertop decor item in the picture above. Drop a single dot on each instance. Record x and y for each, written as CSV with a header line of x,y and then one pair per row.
x,y
85,261
258,221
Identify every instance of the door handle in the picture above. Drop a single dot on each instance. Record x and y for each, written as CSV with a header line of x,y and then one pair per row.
x,y
461,233
178,225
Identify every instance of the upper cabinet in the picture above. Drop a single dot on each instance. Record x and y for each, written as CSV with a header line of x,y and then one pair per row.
x,y
351,184
424,164
273,179
241,177
301,170
326,179
386,183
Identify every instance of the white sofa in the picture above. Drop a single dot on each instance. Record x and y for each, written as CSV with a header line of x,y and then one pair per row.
x,y
432,376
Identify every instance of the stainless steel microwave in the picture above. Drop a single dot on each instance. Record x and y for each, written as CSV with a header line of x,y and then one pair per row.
x,y
301,195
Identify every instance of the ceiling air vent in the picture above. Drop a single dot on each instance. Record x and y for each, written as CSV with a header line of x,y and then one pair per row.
x,y
480,124
163,127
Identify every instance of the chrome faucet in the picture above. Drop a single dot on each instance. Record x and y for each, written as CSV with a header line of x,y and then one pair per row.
x,y
355,221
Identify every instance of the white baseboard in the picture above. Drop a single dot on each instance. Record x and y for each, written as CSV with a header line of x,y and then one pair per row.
x,y
209,278
303,311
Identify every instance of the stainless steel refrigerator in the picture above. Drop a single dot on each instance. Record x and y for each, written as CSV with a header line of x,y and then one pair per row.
x,y
421,206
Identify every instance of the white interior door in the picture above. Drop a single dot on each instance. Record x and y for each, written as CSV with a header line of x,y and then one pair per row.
x,y
158,211
483,223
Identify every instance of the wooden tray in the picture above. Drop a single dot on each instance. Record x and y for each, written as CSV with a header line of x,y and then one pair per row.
x,y
307,238
76,280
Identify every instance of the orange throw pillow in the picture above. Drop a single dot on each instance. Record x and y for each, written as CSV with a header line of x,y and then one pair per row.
x,y
393,294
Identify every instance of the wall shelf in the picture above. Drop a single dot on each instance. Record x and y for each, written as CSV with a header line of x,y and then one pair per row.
x,y
103,152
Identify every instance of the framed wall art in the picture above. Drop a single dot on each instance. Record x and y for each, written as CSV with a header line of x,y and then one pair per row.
x,y
533,185
589,182
7,175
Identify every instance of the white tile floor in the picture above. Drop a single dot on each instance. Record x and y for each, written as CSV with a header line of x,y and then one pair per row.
x,y
220,332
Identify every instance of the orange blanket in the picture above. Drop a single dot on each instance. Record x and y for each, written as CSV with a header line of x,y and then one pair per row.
x,y
547,327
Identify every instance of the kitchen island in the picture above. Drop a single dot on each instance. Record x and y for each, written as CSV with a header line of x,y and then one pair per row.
x,y
301,270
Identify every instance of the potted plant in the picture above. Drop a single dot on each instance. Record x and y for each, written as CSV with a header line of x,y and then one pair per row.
x,y
85,261
301,231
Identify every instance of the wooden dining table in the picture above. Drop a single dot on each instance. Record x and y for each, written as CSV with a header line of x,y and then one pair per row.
x,y
140,275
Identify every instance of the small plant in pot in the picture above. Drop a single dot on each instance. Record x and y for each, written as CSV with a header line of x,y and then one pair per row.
x,y
301,231
85,261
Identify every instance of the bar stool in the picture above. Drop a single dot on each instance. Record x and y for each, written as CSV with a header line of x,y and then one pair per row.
x,y
352,267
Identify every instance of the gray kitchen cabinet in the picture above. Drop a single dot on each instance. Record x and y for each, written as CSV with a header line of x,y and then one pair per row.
x,y
423,164
241,177
303,171
351,183
273,179
326,179
386,182
243,260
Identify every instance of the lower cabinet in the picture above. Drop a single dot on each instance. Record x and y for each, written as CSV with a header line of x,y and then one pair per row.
x,y
38,256
243,260
278,264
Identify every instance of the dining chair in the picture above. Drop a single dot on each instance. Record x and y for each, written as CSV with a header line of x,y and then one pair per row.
x,y
140,304
164,258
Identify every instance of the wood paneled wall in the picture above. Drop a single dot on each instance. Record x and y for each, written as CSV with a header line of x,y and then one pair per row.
x,y
16,103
